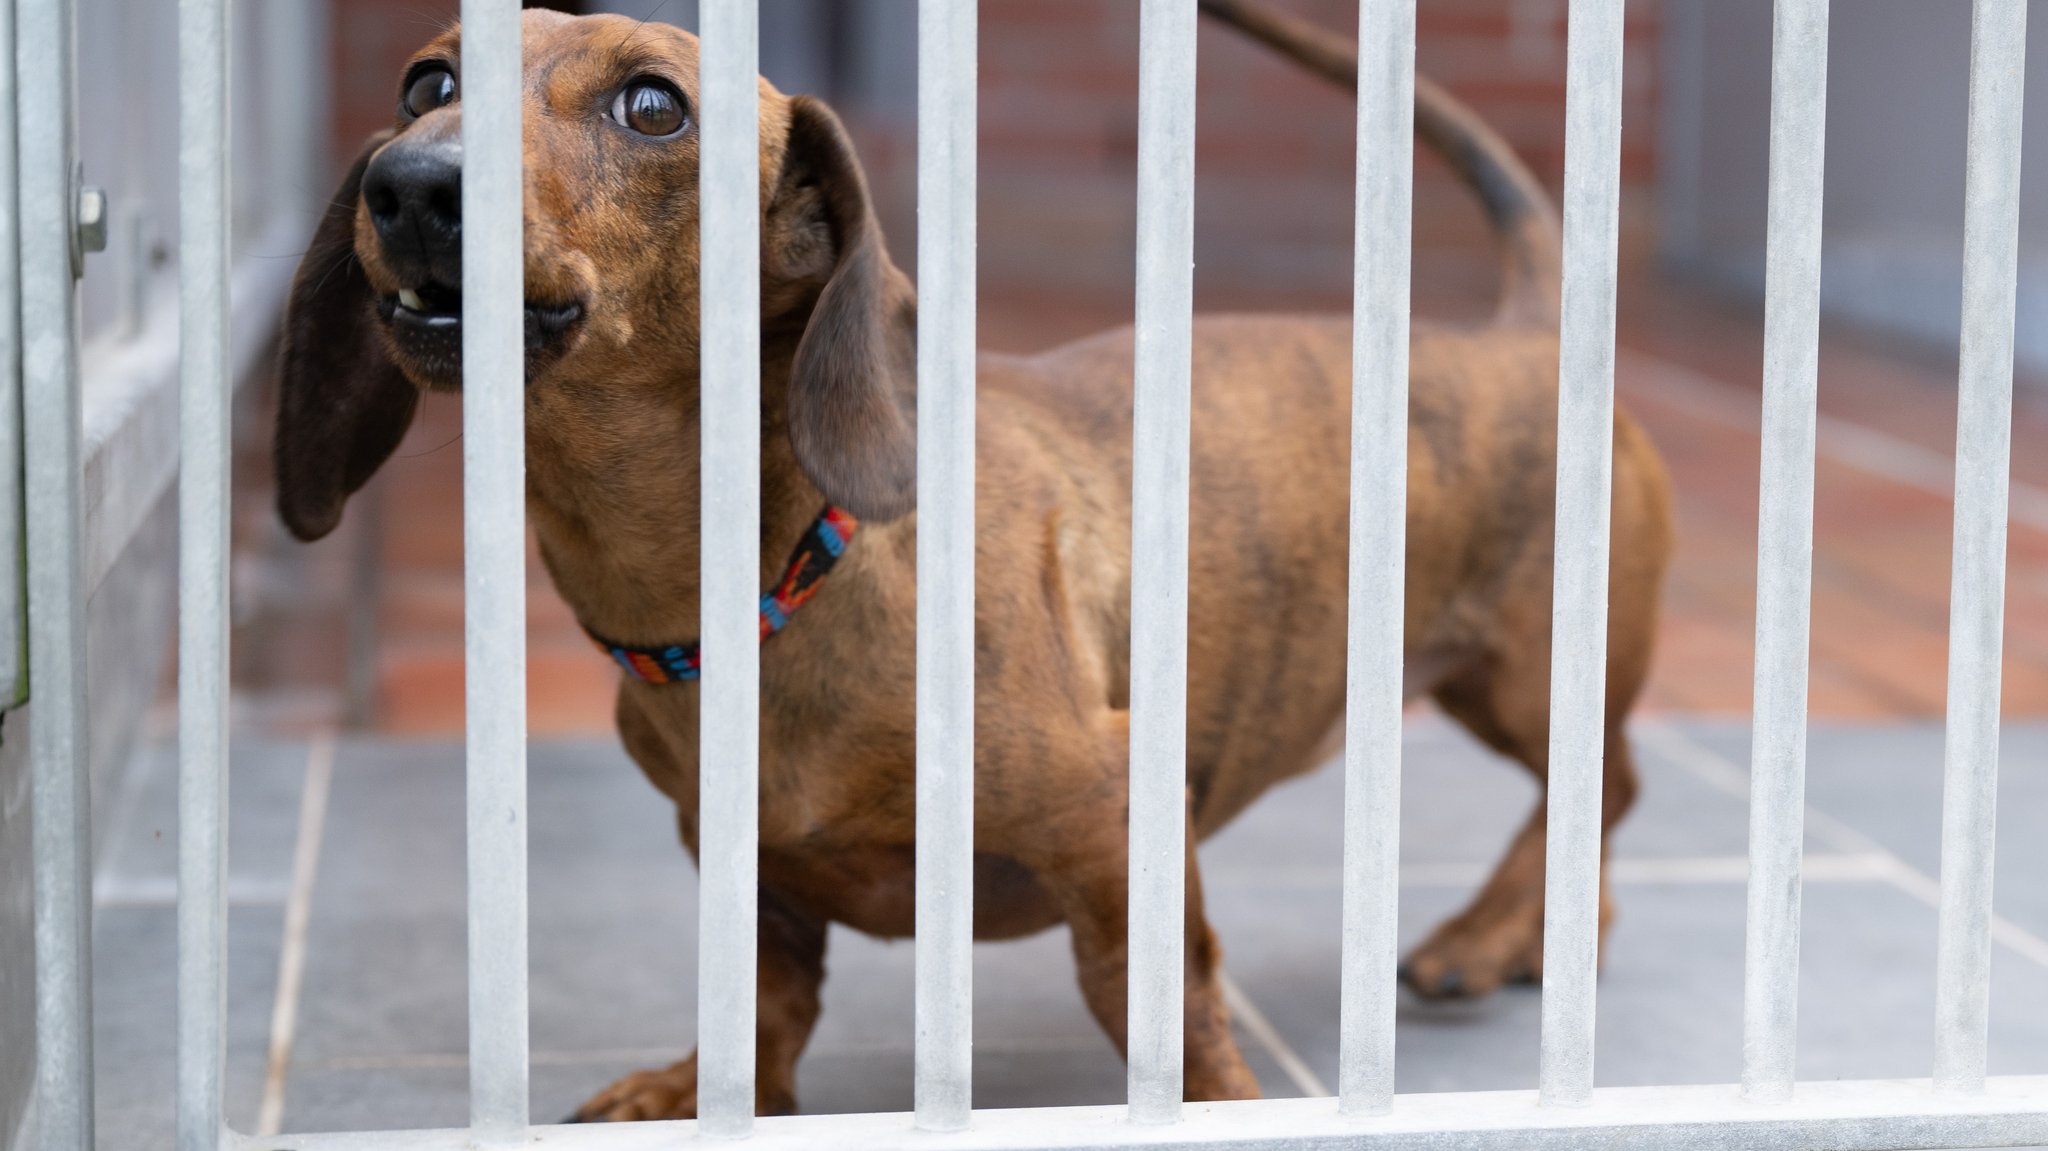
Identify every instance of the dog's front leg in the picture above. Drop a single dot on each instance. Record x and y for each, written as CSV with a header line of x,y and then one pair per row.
x,y
1096,901
790,969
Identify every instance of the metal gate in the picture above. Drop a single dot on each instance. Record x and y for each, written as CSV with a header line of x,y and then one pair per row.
x,y
1958,1107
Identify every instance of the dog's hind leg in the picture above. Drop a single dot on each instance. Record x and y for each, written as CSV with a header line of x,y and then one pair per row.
x,y
790,970
1096,902
1498,938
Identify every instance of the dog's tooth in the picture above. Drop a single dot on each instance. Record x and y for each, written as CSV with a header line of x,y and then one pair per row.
x,y
411,299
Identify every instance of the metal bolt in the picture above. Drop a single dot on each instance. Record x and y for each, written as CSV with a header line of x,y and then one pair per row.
x,y
92,219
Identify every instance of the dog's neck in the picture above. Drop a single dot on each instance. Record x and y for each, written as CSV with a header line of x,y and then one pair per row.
x,y
614,484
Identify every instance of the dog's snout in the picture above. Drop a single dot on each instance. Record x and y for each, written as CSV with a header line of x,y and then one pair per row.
x,y
414,194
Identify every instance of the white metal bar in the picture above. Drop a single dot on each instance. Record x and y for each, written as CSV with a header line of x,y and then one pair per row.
x,y
728,817
1998,56
1585,450
204,383
494,564
295,40
1159,556
1891,1113
60,789
13,591
1784,566
1379,533
945,562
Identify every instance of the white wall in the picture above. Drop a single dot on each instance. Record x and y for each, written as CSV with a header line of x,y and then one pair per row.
x,y
1897,103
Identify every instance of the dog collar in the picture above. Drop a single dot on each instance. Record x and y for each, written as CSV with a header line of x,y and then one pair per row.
x,y
820,548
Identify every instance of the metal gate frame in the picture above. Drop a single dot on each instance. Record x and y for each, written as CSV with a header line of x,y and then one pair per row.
x,y
1960,1106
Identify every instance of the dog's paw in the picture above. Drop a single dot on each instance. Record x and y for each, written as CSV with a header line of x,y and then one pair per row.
x,y
667,1093
671,1093
1458,962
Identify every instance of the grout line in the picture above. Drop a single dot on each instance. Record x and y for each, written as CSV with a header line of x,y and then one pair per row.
x,y
1843,441
298,910
1262,1031
1832,867
1721,773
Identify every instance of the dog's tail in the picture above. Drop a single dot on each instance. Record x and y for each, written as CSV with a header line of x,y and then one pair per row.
x,y
1523,218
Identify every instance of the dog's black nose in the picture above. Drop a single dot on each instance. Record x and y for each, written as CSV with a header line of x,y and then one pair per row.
x,y
414,193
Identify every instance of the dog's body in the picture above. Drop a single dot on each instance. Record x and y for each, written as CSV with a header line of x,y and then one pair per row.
x,y
613,485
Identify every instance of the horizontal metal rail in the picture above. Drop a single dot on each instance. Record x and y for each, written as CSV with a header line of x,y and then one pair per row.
x,y
1881,1113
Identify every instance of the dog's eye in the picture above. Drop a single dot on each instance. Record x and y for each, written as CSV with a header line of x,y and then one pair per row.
x,y
649,107
429,89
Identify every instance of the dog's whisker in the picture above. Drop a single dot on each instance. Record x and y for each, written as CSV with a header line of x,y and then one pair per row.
x,y
442,446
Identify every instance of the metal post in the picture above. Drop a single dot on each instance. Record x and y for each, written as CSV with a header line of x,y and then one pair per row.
x,y
1585,451
204,227
1159,556
295,41
728,821
945,563
51,260
494,565
13,591
1998,56
1784,565
1379,533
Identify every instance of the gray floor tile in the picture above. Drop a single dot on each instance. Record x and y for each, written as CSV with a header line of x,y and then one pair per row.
x,y
613,914
135,1013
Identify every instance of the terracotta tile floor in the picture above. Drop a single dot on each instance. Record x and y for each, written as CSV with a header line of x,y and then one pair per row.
x,y
1688,371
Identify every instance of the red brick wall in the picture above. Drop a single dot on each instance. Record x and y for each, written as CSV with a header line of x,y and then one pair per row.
x,y
1274,159
372,40
1274,152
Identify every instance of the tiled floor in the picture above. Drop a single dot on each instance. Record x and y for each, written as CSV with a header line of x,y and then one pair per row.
x,y
365,838
1688,371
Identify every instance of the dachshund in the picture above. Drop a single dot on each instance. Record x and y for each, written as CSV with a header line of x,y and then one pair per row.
x,y
613,286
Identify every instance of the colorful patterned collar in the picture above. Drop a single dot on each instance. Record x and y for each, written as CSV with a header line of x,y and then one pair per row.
x,y
820,548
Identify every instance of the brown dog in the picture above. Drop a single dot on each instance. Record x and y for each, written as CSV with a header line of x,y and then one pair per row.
x,y
612,431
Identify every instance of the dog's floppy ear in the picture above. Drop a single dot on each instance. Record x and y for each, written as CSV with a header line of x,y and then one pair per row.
x,y
853,391
343,404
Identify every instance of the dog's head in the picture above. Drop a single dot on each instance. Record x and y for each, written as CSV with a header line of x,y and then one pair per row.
x,y
611,269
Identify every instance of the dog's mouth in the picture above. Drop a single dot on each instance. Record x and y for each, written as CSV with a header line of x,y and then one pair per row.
x,y
425,325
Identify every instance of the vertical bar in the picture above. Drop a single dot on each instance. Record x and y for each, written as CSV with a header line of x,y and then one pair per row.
x,y
728,819
945,562
60,789
296,129
1578,630
494,565
1159,555
1998,54
1379,532
1784,564
13,591
204,228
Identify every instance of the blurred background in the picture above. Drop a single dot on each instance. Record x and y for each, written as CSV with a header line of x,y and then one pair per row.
x,y
1274,162
354,644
